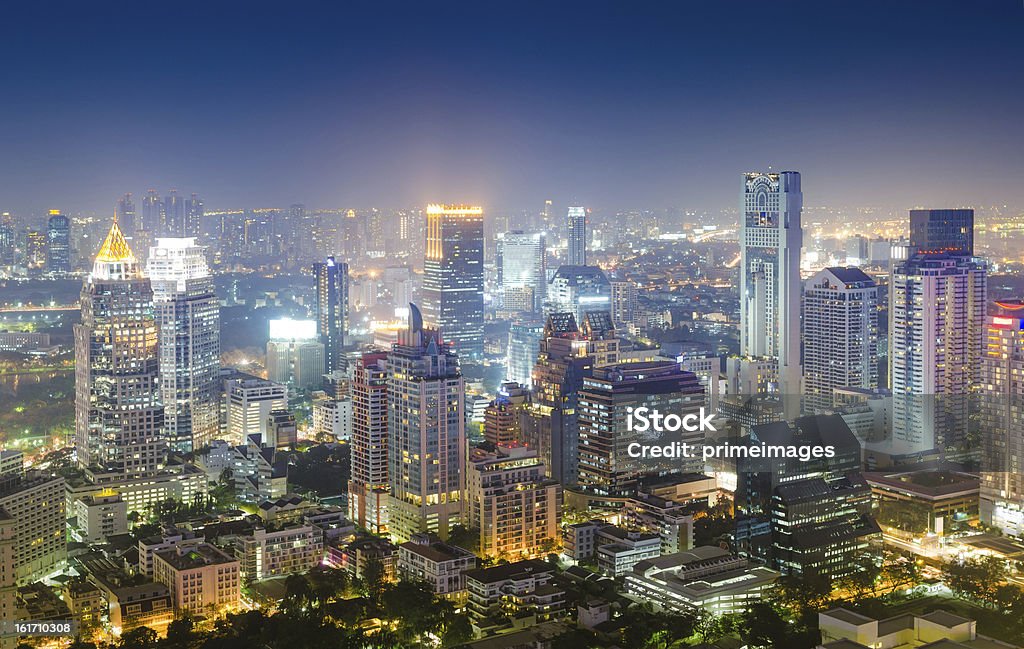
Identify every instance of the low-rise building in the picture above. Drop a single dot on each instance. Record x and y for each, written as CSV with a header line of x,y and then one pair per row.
x,y
199,578
523,591
707,577
355,557
620,549
167,539
273,552
918,503
844,629
666,518
132,600
441,565
100,516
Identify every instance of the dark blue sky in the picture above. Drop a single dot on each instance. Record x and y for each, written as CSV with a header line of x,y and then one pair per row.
x,y
507,103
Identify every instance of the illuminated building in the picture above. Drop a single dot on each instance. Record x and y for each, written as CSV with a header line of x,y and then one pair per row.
x,y
35,250
426,558
579,290
282,432
35,503
501,416
453,276
8,583
152,213
577,229
200,577
607,396
840,326
512,502
188,315
332,310
523,345
100,516
294,355
174,216
523,267
770,242
1002,419
368,488
567,355
193,216
936,319
625,310
58,244
125,213
119,418
426,433
279,551
250,402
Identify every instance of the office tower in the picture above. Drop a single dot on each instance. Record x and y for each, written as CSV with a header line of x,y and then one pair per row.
x,y
174,216
823,528
840,334
523,345
7,243
522,265
152,213
605,402
249,403
332,310
368,487
294,355
942,232
624,303
937,299
124,212
453,276
1002,419
35,501
502,415
119,418
579,290
194,211
188,315
282,431
770,242
35,250
577,235
511,501
426,433
857,252
567,355
58,244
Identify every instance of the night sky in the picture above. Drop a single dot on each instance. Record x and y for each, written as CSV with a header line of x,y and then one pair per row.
x,y
614,105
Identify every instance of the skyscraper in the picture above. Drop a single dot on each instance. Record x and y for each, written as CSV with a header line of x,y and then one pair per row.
x,y
936,318
368,488
188,314
577,229
522,264
152,213
770,242
453,276
294,355
426,433
118,415
58,244
194,211
174,216
332,310
579,290
840,334
125,213
1002,419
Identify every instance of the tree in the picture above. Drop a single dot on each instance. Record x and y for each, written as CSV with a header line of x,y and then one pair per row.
x,y
297,595
180,633
141,637
976,579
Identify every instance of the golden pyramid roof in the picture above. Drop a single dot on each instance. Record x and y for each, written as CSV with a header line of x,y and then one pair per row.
x,y
115,247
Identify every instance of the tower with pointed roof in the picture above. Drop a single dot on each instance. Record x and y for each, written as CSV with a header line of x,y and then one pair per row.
x,y
426,433
118,413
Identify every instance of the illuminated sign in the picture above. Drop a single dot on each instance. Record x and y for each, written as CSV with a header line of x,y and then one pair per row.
x,y
288,329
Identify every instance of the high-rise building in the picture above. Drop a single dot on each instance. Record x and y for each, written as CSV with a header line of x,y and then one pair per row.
x,y
607,397
35,251
453,276
249,403
368,488
502,415
840,334
937,300
577,231
152,213
119,418
567,355
523,345
332,310
426,433
174,216
1002,419
523,265
194,211
770,243
294,355
58,244
624,303
942,232
188,315
7,243
125,214
511,501
579,290
8,581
